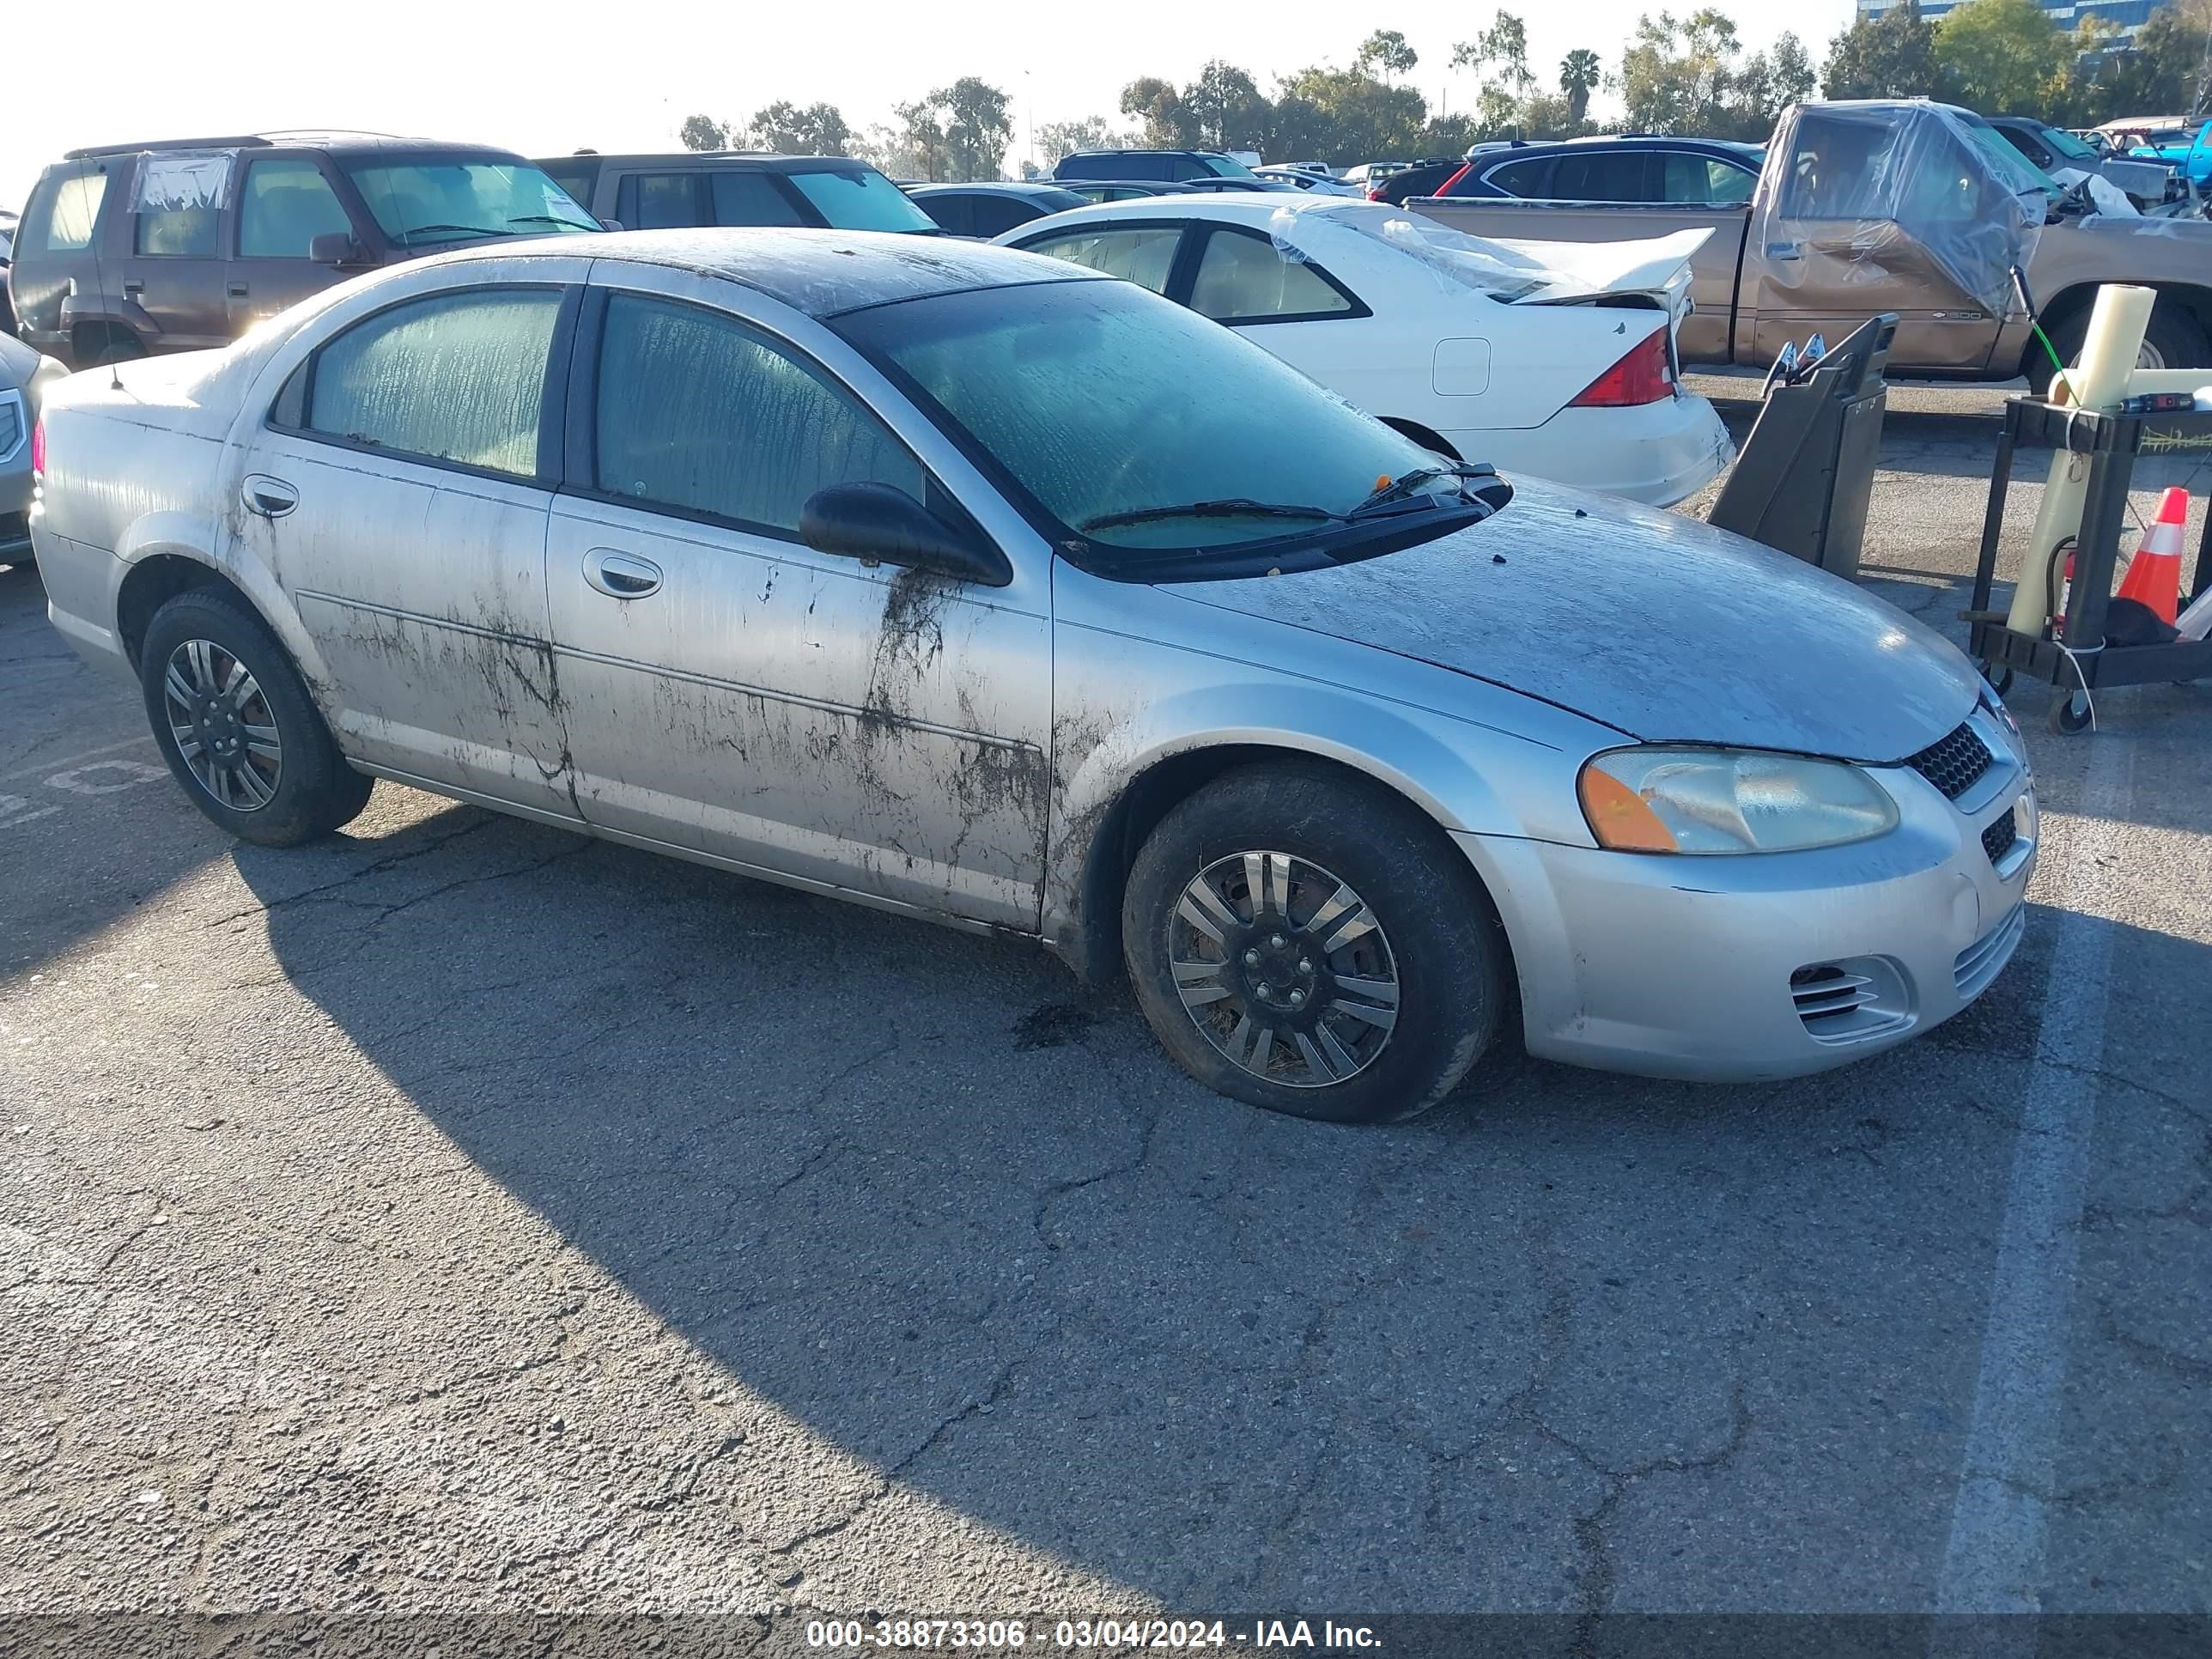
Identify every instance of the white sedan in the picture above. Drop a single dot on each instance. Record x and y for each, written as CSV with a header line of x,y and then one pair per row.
x,y
1552,359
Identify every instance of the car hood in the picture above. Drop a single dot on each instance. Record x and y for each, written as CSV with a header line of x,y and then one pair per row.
x,y
1652,622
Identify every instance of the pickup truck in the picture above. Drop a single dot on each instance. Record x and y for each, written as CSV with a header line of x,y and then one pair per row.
x,y
1906,206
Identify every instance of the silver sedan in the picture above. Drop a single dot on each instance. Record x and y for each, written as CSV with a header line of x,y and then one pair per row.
x,y
968,584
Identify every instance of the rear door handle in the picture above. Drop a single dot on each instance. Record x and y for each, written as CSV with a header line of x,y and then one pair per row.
x,y
620,575
272,498
133,285
236,290
1785,250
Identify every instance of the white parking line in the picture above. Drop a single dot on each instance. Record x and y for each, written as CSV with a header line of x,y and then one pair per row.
x,y
81,755
1993,1563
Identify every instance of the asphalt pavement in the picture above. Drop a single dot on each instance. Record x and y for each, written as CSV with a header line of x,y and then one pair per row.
x,y
458,1215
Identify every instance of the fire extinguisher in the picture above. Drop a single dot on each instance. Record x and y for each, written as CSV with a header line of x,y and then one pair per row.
x,y
2060,587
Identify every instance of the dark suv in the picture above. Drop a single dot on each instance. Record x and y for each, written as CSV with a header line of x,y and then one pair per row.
x,y
738,187
1688,172
1175,167
128,249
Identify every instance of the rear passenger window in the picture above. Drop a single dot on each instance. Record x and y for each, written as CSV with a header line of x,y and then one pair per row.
x,y
456,377
994,216
69,214
178,233
284,207
700,414
953,213
1244,279
1617,178
1143,254
660,201
751,199
1530,181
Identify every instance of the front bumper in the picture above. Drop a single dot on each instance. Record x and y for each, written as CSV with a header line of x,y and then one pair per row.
x,y
1653,453
1718,969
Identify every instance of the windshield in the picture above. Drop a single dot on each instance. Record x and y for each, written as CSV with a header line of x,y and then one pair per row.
x,y
1100,401
2019,174
425,201
1226,168
860,198
2066,144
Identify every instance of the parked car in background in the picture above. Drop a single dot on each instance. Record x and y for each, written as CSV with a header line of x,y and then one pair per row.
x,y
1682,171
1476,352
685,189
984,210
1422,179
1123,190
1368,175
184,244
2187,149
1182,167
25,379
2147,183
1314,183
1126,636
1865,207
7,257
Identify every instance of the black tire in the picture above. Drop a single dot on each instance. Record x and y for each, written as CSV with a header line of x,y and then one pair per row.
x,y
2173,333
311,790
2070,714
1437,936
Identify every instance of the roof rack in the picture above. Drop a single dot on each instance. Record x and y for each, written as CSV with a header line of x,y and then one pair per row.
x,y
242,140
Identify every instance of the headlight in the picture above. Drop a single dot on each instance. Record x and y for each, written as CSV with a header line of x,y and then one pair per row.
x,y
1657,799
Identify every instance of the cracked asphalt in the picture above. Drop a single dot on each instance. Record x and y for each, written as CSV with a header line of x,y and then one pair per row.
x,y
460,1216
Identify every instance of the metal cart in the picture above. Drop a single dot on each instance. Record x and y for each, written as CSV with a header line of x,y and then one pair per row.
x,y
2085,662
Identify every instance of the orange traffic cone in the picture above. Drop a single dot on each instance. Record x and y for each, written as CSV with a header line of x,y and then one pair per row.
x,y
2154,576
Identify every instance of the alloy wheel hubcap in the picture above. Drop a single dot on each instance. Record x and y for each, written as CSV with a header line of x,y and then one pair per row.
x,y
1284,969
223,725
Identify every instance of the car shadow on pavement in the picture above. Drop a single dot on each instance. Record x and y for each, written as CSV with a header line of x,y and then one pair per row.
x,y
965,1222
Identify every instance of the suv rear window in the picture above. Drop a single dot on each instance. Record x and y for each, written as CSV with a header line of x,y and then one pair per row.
x,y
61,213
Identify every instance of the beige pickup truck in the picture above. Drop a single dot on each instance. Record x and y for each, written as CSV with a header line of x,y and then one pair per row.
x,y
1907,206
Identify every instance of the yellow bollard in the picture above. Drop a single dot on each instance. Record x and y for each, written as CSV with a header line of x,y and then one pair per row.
x,y
2108,358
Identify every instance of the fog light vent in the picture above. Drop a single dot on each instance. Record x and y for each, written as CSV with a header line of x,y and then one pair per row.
x,y
1846,1001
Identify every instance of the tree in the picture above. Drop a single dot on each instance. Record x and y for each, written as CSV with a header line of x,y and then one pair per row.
x,y
975,123
1499,57
1057,139
1891,56
1676,74
1167,124
2163,70
1386,50
818,130
1580,71
703,132
1767,84
1337,113
1225,110
2000,57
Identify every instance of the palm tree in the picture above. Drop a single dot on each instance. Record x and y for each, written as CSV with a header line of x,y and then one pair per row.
x,y
1579,74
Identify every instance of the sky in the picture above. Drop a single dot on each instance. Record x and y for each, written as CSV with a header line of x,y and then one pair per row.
x,y
552,77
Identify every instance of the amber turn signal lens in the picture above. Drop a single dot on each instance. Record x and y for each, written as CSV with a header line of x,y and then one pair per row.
x,y
1620,817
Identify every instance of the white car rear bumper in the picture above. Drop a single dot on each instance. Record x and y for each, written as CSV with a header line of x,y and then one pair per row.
x,y
1655,453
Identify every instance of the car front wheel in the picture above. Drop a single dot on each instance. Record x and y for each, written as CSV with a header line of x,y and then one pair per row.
x,y
233,720
1314,945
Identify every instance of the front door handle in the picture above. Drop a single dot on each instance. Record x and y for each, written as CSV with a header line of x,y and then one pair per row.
x,y
620,575
1785,250
236,290
133,285
272,498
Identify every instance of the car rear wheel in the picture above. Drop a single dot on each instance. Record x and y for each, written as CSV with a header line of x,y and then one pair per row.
x,y
233,720
1313,945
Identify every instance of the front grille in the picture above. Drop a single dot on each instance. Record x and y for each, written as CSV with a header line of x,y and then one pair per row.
x,y
1997,839
1955,764
1984,959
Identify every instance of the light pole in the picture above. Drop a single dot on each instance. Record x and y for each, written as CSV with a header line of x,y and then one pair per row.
x,y
1029,115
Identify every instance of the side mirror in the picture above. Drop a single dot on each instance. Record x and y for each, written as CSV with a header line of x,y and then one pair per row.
x,y
334,247
882,524
611,224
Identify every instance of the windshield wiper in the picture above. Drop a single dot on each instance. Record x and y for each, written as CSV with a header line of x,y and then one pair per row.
x,y
1233,507
534,219
1407,483
407,237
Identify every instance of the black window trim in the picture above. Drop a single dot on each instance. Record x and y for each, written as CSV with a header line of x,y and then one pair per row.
x,y
553,403
580,457
1195,251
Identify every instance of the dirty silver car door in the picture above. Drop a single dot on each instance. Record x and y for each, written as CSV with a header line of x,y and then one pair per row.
x,y
396,490
730,690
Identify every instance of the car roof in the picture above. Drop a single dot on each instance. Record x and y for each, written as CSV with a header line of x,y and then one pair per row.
x,y
302,139
822,273
1728,148
1140,149
1031,187
762,161
1248,207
